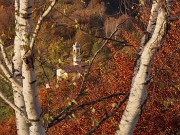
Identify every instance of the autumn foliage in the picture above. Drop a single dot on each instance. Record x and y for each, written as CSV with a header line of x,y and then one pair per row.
x,y
112,75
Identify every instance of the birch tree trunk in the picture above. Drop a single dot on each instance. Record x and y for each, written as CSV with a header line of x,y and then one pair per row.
x,y
21,74
21,125
150,43
30,93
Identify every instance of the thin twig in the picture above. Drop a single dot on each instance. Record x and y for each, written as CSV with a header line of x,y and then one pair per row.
x,y
59,118
93,58
66,109
12,105
104,38
41,65
110,39
4,54
38,26
108,115
48,102
7,70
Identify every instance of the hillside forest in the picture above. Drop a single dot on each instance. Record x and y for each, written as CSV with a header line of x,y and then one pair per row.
x,y
92,98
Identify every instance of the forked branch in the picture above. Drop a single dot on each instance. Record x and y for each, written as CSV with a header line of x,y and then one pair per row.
x,y
105,117
9,75
93,58
12,105
67,112
6,70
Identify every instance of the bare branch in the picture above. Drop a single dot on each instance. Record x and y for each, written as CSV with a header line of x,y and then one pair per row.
x,y
12,105
110,39
93,58
9,75
64,113
108,115
99,100
38,26
6,80
104,38
4,54
67,112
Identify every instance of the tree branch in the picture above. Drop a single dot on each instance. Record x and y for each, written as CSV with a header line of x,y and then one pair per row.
x,y
93,58
12,105
66,109
108,115
110,39
4,54
104,38
38,26
6,80
9,75
62,116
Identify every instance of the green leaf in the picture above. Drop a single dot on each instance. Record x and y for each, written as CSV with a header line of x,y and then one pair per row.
x,y
94,122
86,93
74,101
47,117
49,97
69,103
76,24
166,104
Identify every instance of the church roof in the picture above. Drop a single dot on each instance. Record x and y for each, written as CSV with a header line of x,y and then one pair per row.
x,y
76,69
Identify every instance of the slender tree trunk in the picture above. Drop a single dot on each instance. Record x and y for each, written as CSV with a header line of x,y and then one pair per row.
x,y
22,75
30,93
138,93
21,125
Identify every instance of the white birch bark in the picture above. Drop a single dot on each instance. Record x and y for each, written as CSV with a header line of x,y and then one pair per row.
x,y
21,123
138,92
30,93
21,73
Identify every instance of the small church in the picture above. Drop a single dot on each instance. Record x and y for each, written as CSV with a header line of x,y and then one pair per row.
x,y
76,69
